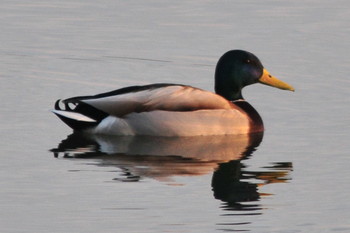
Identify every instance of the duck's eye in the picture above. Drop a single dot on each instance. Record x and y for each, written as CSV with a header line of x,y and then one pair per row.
x,y
247,61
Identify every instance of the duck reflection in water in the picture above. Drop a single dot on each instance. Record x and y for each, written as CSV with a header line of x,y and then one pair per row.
x,y
163,158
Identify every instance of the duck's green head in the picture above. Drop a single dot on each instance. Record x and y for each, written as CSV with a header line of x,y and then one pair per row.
x,y
237,69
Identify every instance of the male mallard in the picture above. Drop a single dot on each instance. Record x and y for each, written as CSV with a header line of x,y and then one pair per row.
x,y
175,109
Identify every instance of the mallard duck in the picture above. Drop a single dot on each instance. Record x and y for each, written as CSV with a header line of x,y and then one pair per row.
x,y
165,109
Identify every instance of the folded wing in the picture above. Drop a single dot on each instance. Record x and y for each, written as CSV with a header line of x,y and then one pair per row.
x,y
167,97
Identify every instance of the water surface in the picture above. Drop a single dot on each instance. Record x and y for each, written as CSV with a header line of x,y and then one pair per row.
x,y
294,178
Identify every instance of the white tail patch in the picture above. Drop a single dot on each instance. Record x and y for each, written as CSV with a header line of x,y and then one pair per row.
x,y
73,115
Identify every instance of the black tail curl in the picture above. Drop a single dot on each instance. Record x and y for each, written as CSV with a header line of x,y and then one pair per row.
x,y
57,104
83,109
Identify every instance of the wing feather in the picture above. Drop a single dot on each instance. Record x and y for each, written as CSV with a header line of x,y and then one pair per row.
x,y
167,97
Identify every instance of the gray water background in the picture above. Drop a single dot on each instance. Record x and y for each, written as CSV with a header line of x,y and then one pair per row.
x,y
58,49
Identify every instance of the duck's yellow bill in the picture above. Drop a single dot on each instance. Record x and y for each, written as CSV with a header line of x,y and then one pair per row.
x,y
270,80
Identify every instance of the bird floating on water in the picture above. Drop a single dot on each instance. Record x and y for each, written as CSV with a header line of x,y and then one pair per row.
x,y
166,109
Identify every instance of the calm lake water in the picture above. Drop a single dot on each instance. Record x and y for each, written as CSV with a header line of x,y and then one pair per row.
x,y
294,178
